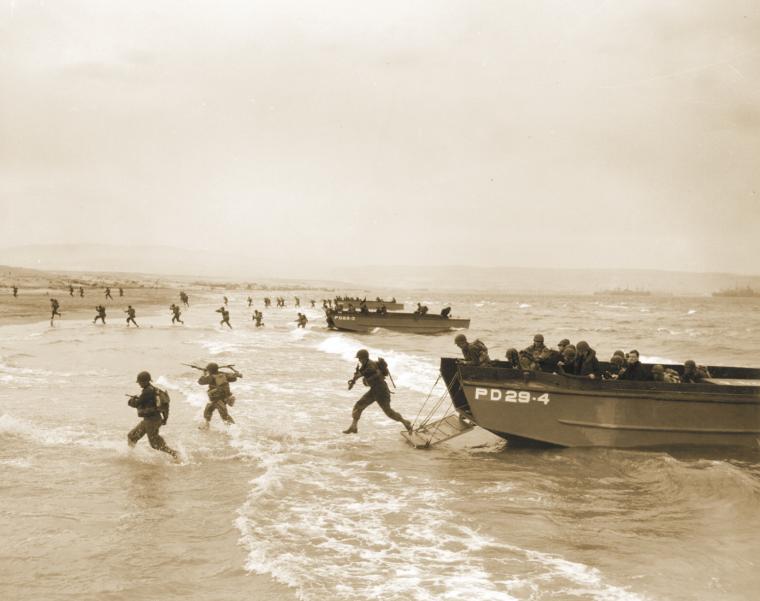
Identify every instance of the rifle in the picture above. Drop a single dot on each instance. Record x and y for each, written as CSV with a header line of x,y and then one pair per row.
x,y
352,381
230,366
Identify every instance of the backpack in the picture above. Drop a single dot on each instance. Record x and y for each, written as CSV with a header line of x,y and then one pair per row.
x,y
383,367
162,401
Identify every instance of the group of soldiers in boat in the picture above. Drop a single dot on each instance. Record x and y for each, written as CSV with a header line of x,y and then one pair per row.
x,y
580,360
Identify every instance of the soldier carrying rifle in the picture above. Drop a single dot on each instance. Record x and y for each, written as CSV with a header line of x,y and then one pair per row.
x,y
373,374
219,394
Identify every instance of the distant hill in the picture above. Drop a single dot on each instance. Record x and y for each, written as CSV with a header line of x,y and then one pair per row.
x,y
163,261
124,259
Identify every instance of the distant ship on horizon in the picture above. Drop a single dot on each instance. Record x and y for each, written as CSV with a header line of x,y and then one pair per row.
x,y
737,292
622,292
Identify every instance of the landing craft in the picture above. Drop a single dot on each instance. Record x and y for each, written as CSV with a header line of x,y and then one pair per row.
x,y
398,322
371,305
529,407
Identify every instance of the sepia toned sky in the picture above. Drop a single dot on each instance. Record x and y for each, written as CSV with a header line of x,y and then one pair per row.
x,y
536,134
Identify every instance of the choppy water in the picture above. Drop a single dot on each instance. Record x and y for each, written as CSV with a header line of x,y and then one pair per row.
x,y
283,504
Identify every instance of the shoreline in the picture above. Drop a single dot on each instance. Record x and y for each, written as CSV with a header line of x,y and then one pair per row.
x,y
34,306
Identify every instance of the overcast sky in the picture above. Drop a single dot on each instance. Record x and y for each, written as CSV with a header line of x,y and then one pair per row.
x,y
533,133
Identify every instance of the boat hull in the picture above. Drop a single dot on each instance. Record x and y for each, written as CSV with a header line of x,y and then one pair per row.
x,y
573,412
398,322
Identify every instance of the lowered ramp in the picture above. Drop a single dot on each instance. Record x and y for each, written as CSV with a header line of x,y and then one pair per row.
x,y
433,433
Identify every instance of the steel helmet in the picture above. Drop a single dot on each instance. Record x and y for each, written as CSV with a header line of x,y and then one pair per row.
x,y
460,339
362,354
212,368
538,338
143,377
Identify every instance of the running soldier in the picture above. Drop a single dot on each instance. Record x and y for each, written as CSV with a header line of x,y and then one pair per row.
x,y
54,309
184,298
219,394
373,374
101,314
176,314
121,291
108,293
250,301
15,291
225,317
81,292
302,320
131,316
258,316
71,290
153,407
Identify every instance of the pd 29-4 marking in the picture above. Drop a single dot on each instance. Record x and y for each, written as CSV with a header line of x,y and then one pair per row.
x,y
510,396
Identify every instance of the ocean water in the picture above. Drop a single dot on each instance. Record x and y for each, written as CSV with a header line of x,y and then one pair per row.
x,y
283,505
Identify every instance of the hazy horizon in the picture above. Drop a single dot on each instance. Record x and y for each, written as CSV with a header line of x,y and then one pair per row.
x,y
296,136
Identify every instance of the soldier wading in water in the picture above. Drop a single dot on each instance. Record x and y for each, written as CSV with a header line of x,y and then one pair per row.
x,y
219,394
153,407
373,375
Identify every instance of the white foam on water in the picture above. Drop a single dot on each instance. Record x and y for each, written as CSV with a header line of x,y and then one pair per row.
x,y
691,312
20,428
408,371
655,359
524,306
327,529
16,463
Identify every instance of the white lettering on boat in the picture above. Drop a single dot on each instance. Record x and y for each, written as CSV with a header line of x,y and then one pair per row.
x,y
511,396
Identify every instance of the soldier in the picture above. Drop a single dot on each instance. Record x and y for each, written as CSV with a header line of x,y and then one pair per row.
x,y
586,363
693,374
250,301
563,344
184,298
15,291
475,353
108,293
445,312
81,292
71,290
131,316
121,291
302,320
373,374
101,314
258,316
567,364
635,369
225,317
225,301
313,303
54,309
154,411
530,357
267,301
617,362
219,394
298,301
665,374
176,314
513,358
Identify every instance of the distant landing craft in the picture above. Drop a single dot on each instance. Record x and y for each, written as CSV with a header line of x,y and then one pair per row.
x,y
398,322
